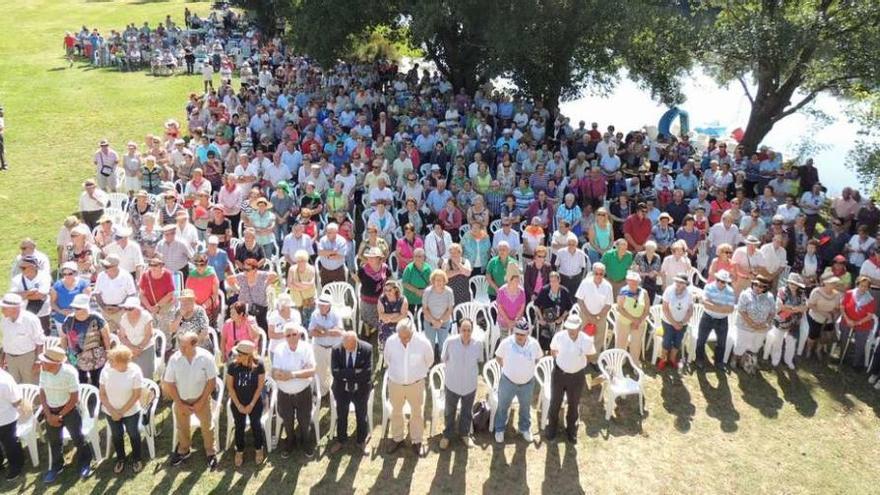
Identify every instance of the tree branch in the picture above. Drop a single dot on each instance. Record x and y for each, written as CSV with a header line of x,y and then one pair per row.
x,y
746,89
807,99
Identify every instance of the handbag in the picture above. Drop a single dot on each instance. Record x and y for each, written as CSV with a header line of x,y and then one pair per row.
x,y
34,305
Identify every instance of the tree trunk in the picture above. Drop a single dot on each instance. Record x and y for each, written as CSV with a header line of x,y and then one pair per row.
x,y
760,124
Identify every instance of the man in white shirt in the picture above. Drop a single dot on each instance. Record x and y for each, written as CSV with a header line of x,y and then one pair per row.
x,y
569,348
409,356
296,240
381,193
506,233
749,263
189,380
22,339
518,355
10,399
33,286
131,259
293,369
326,330
437,244
186,232
106,160
571,263
723,232
775,257
112,287
595,297
92,203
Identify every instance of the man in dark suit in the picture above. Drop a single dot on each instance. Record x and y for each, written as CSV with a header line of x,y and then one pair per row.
x,y
352,367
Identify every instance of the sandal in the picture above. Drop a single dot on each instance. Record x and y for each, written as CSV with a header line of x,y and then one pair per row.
x,y
259,456
119,467
239,459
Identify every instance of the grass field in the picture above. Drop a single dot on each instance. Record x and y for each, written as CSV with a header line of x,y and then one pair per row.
x,y
810,432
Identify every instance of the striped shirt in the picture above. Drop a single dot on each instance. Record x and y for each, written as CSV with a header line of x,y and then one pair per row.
x,y
718,296
571,264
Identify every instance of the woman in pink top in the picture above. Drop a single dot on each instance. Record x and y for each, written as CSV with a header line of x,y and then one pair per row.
x,y
407,244
238,327
511,300
723,261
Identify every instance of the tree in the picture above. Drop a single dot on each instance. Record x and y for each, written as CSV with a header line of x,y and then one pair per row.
x,y
265,13
864,158
792,51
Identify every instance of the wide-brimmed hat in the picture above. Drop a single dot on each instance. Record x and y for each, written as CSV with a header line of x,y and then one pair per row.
x,y
760,279
81,301
631,275
53,355
373,253
573,322
796,279
752,240
682,277
724,276
123,231
245,347
11,300
187,294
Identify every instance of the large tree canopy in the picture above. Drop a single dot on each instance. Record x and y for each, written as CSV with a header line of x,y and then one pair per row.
x,y
792,51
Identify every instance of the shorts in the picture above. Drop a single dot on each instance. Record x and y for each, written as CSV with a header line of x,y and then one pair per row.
x,y
672,337
748,341
817,329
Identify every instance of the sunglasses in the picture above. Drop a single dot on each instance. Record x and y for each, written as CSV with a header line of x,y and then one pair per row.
x,y
68,274
155,265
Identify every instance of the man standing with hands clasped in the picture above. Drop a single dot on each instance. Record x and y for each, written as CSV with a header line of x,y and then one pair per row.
x,y
409,356
518,355
352,368
595,297
325,328
462,356
569,348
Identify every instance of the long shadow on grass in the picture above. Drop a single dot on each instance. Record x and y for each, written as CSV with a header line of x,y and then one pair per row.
x,y
450,477
758,393
508,478
281,478
386,482
796,392
719,403
626,422
677,401
345,483
561,475
833,382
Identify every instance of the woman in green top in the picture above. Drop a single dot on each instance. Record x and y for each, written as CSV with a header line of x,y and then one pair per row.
x,y
483,179
600,235
416,276
633,309
617,262
336,197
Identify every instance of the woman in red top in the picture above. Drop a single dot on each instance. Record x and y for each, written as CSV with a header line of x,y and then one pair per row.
x,y
857,317
156,289
718,206
240,326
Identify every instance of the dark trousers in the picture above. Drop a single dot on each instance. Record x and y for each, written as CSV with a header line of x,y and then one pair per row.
x,y
572,385
256,426
451,402
343,401
295,407
2,151
707,324
875,364
260,314
11,448
570,283
91,218
73,423
130,425
90,377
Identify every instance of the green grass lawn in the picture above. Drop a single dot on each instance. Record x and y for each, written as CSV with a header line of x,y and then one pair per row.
x,y
814,431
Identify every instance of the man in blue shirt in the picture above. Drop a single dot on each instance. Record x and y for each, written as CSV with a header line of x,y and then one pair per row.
x,y
506,138
425,143
719,302
686,181
438,197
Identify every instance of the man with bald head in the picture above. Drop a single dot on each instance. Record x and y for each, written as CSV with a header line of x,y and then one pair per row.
x,y
351,364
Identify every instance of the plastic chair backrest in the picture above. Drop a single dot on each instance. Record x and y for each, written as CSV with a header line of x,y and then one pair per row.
x,y
479,287
437,379
86,394
544,370
339,292
611,362
492,374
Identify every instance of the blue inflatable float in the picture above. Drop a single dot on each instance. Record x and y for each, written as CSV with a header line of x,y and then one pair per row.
x,y
667,119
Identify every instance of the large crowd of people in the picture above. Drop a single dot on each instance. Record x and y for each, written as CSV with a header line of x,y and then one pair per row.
x,y
323,232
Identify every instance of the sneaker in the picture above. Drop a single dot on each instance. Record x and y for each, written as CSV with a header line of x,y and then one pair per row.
x,y
499,437
444,443
137,467
469,442
85,471
119,467
527,436
212,462
13,476
661,364
239,459
51,475
877,386
259,456
309,452
873,379
177,458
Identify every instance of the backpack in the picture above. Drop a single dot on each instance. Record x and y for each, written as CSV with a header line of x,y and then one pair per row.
x,y
481,417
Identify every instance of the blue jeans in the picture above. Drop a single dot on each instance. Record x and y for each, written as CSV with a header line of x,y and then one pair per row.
x,y
438,334
507,390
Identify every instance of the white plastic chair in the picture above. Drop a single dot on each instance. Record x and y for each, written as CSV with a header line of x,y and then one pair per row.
x,y
543,374
345,302
52,341
27,429
160,344
387,409
532,317
117,200
265,419
484,333
194,424
616,383
87,393
479,288
351,409
464,229
689,340
393,265
116,215
437,385
492,377
656,324
495,226
148,430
